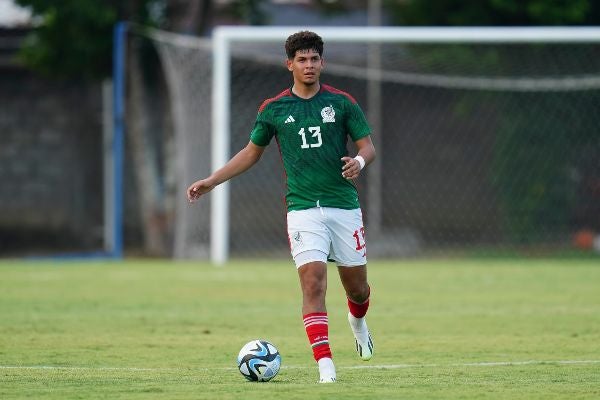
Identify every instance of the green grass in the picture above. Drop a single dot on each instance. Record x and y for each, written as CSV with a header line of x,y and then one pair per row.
x,y
443,329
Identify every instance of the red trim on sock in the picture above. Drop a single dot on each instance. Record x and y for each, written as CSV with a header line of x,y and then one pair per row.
x,y
359,310
317,330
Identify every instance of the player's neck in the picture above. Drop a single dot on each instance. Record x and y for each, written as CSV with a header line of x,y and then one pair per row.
x,y
306,91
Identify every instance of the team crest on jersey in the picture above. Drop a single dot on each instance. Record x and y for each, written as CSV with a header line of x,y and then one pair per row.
x,y
328,114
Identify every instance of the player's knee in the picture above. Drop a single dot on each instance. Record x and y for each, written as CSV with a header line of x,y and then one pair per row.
x,y
358,294
313,278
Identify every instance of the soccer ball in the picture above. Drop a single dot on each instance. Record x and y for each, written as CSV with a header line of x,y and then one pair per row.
x,y
259,361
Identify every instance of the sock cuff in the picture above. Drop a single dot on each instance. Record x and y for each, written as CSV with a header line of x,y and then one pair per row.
x,y
315,314
315,319
358,310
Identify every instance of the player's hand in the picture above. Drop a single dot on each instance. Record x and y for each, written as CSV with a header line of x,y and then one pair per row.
x,y
351,168
199,188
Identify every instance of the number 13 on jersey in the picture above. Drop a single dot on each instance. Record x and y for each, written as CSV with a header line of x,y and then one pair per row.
x,y
316,133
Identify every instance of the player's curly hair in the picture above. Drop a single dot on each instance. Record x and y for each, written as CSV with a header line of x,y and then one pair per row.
x,y
304,40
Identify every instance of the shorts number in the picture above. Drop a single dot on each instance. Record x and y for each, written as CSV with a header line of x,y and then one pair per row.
x,y
359,245
316,132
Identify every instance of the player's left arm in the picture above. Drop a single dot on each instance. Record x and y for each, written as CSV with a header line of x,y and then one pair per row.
x,y
366,152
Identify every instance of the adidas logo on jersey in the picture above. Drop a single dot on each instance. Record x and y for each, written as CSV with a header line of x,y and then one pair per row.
x,y
290,119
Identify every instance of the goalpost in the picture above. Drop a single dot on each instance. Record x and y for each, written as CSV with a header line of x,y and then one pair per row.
x,y
486,136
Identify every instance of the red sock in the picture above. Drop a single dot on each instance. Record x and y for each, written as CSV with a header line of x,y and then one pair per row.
x,y
359,310
317,330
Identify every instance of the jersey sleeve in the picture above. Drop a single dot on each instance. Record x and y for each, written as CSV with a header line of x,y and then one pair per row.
x,y
356,123
263,131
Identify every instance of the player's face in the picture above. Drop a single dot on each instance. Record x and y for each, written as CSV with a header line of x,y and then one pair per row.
x,y
306,67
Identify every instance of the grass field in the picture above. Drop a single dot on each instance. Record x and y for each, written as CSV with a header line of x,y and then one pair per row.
x,y
443,329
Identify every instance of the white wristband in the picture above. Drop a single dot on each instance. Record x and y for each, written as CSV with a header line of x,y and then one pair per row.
x,y
361,161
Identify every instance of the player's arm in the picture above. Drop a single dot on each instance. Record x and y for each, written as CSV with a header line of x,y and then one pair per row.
x,y
352,166
240,163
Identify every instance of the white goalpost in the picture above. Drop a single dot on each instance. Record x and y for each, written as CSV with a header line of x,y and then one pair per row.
x,y
225,37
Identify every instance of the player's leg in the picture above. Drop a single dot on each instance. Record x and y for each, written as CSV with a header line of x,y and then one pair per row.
x,y
349,250
313,282
310,243
354,280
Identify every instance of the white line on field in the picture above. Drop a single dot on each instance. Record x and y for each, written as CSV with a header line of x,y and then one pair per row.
x,y
478,364
381,366
84,368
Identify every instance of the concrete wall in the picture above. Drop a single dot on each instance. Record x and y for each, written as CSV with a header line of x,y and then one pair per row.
x,y
50,164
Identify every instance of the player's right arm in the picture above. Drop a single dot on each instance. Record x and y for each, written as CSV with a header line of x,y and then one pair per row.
x,y
240,163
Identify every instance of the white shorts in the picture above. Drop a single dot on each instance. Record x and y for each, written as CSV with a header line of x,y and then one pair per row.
x,y
324,233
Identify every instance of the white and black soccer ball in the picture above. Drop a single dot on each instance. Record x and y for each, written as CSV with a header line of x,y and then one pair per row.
x,y
259,361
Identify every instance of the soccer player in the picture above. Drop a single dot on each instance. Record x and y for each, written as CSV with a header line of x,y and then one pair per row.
x,y
311,123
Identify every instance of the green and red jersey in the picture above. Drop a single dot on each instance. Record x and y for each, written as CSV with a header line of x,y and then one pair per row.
x,y
312,135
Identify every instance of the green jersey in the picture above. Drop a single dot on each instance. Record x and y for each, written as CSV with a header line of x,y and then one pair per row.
x,y
312,135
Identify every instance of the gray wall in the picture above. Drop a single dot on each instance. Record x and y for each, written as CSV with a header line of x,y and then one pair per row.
x,y
50,164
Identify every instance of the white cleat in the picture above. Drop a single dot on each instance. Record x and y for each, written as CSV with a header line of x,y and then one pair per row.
x,y
326,370
362,336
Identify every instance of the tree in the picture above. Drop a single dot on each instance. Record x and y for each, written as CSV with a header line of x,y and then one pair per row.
x,y
494,12
74,38
74,41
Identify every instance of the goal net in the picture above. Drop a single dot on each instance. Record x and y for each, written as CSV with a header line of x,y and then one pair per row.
x,y
487,139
